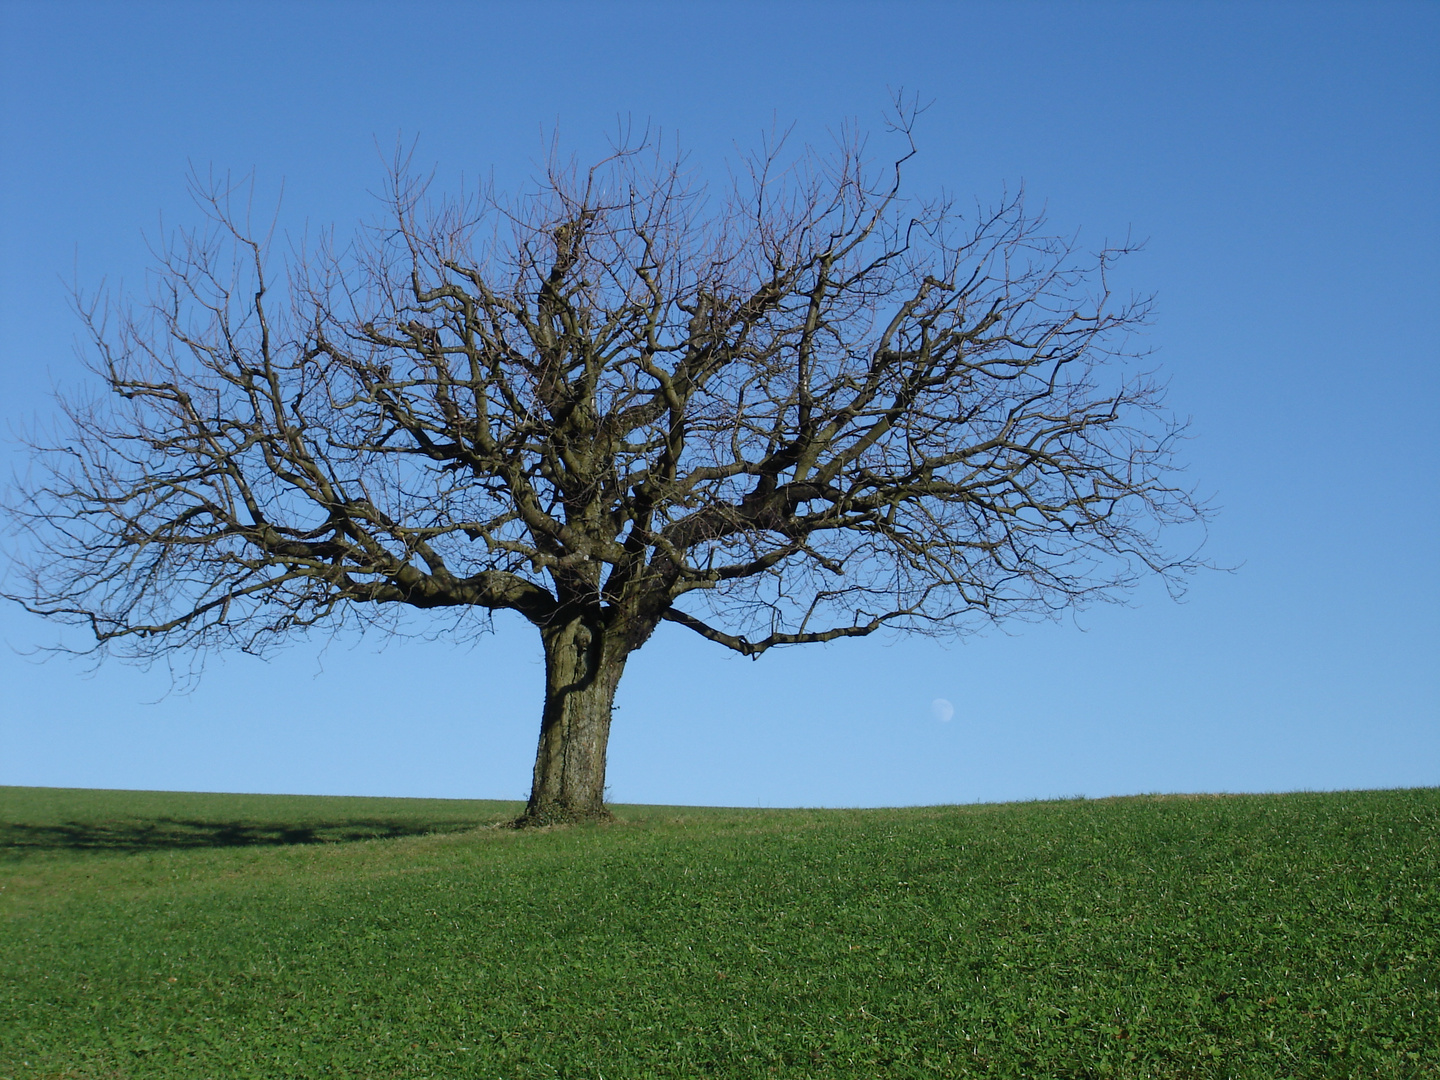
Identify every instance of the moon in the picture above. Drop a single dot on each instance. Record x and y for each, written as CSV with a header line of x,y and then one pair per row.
x,y
942,710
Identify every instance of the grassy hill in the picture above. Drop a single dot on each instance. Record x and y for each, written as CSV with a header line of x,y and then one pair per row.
x,y
148,934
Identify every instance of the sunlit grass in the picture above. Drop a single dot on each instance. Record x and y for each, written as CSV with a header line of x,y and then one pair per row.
x,y
170,935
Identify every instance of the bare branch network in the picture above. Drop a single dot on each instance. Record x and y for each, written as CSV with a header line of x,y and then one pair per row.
x,y
804,409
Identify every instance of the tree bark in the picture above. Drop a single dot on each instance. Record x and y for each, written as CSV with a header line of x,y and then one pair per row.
x,y
582,670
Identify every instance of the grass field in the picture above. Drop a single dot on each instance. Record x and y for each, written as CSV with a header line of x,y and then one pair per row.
x,y
218,936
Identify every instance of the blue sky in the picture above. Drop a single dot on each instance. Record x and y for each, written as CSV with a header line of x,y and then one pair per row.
x,y
1282,161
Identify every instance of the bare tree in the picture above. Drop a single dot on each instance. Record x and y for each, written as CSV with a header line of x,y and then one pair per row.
x,y
805,409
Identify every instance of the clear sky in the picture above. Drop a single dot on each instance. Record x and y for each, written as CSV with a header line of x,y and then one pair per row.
x,y
1281,160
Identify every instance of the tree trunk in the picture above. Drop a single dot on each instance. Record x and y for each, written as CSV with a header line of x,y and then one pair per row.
x,y
581,673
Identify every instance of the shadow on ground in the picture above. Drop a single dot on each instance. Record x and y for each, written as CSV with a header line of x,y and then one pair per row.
x,y
159,834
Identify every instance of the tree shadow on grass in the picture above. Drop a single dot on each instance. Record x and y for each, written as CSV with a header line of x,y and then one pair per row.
x,y
169,834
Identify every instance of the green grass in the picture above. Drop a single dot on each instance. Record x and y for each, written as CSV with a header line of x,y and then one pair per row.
x,y
169,935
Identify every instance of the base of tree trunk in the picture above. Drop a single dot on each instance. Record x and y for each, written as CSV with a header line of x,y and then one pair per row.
x,y
551,816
